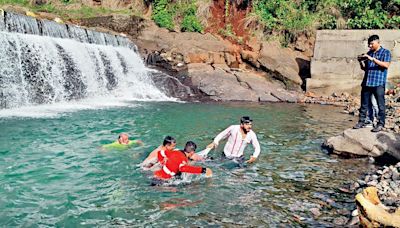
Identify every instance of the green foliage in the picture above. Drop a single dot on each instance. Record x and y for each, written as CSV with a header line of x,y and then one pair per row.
x,y
182,12
371,14
49,8
288,18
14,2
162,15
190,22
227,31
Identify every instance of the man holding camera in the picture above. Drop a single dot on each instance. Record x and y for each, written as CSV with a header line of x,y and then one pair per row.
x,y
375,64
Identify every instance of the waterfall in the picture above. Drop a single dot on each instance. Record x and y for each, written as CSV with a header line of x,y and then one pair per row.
x,y
43,62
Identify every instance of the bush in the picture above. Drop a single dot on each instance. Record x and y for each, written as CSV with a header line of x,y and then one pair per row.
x,y
370,14
182,12
190,22
286,18
163,16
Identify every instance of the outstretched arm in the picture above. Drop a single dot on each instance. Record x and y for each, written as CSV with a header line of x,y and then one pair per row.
x,y
195,170
152,157
225,133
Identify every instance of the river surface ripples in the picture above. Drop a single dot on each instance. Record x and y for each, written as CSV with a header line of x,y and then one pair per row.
x,y
53,171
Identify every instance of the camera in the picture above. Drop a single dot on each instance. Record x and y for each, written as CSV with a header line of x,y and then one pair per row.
x,y
362,57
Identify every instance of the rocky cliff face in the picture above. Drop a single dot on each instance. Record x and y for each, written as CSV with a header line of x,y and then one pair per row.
x,y
214,67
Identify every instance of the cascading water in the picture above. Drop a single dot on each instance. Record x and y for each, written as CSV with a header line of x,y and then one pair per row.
x,y
38,69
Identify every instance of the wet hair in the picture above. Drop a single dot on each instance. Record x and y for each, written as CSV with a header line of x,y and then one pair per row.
x,y
245,119
373,38
190,146
168,140
120,135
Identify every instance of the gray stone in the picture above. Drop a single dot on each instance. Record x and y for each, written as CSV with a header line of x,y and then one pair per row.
x,y
354,186
395,175
340,221
367,178
315,211
363,142
218,84
387,176
222,84
361,182
282,63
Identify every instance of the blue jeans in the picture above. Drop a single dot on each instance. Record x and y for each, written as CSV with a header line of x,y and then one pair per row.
x,y
373,109
379,93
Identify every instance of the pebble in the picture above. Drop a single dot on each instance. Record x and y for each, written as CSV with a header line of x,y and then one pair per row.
x,y
395,175
386,180
315,211
340,221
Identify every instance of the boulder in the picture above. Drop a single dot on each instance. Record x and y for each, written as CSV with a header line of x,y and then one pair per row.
x,y
266,90
221,83
363,142
171,86
218,84
130,25
282,63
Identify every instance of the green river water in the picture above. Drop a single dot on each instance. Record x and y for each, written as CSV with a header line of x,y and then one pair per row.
x,y
54,173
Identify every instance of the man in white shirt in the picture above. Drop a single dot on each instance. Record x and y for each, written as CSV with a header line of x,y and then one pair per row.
x,y
238,138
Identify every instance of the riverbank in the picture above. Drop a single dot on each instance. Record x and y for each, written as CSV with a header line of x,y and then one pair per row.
x,y
351,105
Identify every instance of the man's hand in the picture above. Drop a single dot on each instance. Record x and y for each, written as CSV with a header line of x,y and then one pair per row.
x,y
212,145
251,160
208,172
139,142
369,57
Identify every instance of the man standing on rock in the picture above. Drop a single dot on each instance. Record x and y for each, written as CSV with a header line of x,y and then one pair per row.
x,y
375,64
238,137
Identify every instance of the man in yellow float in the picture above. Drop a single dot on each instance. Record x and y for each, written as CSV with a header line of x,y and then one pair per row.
x,y
123,142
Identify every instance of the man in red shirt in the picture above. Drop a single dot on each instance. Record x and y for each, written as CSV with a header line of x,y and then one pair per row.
x,y
175,162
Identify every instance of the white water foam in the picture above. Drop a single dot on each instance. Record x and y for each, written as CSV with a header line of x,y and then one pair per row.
x,y
59,109
43,76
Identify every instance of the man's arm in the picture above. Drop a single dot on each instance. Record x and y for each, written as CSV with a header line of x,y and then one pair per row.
x,y
153,156
225,133
385,62
257,149
195,170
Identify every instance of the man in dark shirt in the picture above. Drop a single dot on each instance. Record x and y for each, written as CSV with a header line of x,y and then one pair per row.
x,y
375,64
